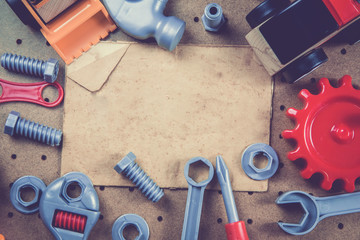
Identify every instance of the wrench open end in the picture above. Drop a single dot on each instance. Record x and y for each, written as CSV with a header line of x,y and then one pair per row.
x,y
311,213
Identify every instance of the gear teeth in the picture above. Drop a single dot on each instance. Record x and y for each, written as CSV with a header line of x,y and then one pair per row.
x,y
287,134
296,154
304,95
324,85
349,185
345,81
326,184
292,113
307,172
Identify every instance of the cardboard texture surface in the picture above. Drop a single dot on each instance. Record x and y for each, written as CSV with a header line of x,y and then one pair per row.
x,y
166,108
19,157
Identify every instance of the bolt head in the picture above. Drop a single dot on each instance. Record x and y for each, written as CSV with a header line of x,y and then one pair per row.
x,y
11,123
31,203
51,70
268,166
125,162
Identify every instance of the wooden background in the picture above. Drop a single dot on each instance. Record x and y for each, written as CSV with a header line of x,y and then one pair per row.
x,y
19,157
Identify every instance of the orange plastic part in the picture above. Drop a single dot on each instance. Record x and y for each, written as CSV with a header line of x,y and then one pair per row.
x,y
2,237
78,28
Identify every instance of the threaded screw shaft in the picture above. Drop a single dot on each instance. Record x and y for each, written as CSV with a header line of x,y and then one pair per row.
x,y
21,64
132,170
47,70
15,125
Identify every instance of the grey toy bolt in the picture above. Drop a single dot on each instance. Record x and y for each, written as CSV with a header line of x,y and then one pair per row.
x,y
47,70
132,170
15,125
213,18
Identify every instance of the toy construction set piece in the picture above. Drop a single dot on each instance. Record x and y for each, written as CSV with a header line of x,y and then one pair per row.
x,y
71,27
66,216
145,18
130,220
317,208
286,36
327,133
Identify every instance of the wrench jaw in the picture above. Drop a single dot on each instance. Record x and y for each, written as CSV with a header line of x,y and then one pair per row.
x,y
193,182
66,217
311,212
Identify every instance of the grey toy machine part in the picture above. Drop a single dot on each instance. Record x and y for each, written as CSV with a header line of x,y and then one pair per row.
x,y
128,167
130,219
143,19
317,208
48,70
15,125
21,205
213,18
194,200
247,161
70,216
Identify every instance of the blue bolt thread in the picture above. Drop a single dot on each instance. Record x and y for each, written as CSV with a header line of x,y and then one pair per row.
x,y
147,186
21,64
38,132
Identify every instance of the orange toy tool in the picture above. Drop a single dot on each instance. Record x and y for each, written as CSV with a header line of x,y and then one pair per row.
x,y
74,30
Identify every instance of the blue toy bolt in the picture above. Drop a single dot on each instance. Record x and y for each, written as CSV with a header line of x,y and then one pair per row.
x,y
132,170
213,18
235,229
15,125
70,217
47,70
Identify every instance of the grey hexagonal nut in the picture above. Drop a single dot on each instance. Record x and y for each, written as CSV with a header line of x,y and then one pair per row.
x,y
65,186
11,123
125,162
267,167
31,203
51,70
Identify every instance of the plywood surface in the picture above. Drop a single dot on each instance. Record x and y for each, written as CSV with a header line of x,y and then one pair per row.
x,y
165,218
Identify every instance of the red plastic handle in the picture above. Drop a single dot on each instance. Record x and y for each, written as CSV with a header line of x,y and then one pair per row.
x,y
236,231
28,92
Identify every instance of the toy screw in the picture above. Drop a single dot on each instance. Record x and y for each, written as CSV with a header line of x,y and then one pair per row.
x,y
132,170
34,67
15,125
213,18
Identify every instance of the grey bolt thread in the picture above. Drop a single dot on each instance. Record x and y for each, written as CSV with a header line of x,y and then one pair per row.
x,y
147,186
21,64
38,132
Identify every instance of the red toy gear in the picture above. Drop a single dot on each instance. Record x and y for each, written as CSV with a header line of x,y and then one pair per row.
x,y
327,133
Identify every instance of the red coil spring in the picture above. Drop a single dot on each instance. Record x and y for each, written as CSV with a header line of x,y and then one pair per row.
x,y
69,221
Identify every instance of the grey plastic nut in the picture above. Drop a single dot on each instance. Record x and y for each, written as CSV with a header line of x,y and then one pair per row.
x,y
51,70
124,163
11,123
130,219
213,18
15,194
248,164
67,184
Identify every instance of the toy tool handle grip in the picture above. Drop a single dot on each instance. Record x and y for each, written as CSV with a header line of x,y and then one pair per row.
x,y
236,231
28,92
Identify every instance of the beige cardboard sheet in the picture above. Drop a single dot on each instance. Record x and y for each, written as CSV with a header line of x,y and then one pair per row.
x,y
166,108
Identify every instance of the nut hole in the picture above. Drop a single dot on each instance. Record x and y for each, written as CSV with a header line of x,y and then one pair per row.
x,y
27,193
260,161
199,171
213,10
73,190
50,94
130,232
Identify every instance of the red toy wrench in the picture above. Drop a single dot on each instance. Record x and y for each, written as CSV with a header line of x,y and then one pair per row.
x,y
28,92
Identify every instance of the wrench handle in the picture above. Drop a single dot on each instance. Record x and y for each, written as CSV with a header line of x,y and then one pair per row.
x,y
193,213
236,231
338,205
